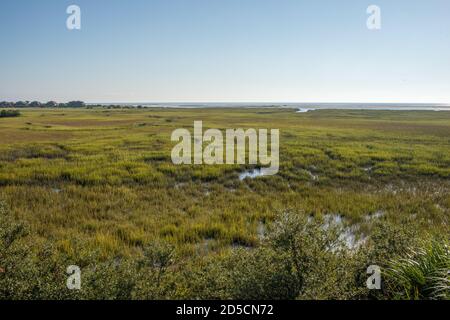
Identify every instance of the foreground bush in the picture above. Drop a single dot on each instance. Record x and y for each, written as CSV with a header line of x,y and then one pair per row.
x,y
299,258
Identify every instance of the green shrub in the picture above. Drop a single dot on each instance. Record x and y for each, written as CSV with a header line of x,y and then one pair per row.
x,y
423,273
9,113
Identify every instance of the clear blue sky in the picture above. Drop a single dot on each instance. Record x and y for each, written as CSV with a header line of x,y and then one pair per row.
x,y
225,51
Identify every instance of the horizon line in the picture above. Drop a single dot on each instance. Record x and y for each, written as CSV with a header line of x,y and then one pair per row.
x,y
264,102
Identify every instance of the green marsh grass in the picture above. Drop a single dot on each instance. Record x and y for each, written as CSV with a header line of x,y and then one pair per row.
x,y
104,178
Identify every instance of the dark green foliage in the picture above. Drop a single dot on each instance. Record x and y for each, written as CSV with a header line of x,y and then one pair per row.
x,y
421,273
299,259
37,104
9,113
261,273
75,104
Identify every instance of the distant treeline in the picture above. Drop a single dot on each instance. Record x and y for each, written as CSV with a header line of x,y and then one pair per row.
x,y
54,104
37,104
9,113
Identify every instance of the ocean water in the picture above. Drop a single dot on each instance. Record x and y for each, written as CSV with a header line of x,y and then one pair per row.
x,y
376,106
301,107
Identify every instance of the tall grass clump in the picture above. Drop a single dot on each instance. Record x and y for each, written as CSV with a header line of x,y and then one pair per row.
x,y
423,274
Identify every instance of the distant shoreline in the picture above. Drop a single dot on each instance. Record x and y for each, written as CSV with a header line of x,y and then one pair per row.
x,y
301,107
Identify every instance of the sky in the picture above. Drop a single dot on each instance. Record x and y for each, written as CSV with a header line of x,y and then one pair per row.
x,y
225,51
